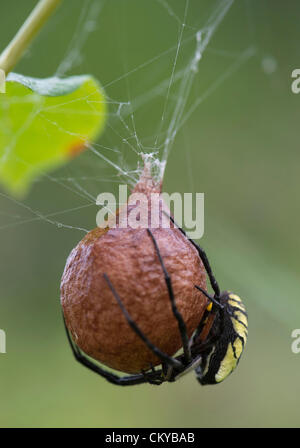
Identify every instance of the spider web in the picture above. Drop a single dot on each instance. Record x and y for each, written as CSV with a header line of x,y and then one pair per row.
x,y
169,80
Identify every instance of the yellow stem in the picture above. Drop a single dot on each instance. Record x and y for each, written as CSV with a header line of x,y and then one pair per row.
x,y
14,51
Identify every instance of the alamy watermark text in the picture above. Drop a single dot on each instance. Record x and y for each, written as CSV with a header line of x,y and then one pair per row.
x,y
2,341
2,81
142,210
295,346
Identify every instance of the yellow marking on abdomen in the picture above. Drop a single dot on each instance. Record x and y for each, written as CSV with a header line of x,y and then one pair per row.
x,y
227,365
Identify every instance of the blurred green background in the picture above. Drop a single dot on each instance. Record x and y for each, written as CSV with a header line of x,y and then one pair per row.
x,y
239,147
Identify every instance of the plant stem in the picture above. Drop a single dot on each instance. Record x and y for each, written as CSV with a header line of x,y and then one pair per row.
x,y
35,21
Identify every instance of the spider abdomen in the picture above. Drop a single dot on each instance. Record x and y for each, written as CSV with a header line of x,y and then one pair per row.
x,y
222,356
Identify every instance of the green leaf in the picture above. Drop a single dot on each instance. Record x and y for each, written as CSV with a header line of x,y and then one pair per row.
x,y
44,123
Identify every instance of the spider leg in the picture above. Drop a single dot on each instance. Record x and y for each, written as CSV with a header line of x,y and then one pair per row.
x,y
211,298
204,344
154,377
178,316
160,354
203,256
130,380
213,282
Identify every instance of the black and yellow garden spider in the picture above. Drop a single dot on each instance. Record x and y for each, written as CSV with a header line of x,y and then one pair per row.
x,y
214,349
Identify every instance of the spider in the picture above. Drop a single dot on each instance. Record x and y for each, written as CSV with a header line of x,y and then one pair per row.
x,y
214,349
